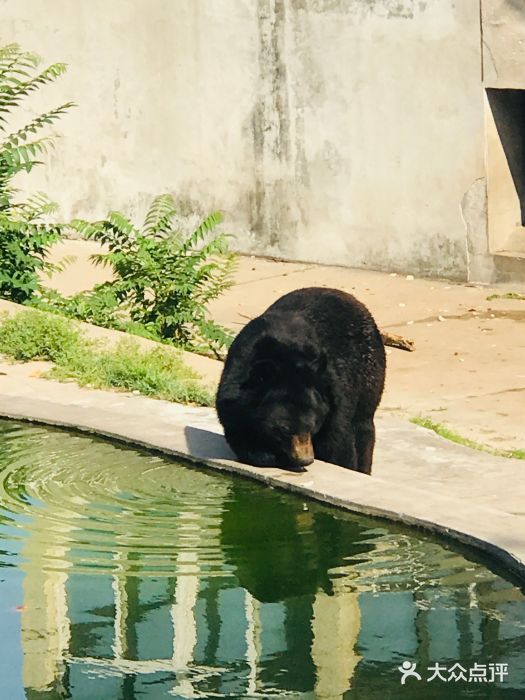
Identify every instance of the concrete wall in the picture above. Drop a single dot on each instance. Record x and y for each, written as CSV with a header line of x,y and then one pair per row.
x,y
337,131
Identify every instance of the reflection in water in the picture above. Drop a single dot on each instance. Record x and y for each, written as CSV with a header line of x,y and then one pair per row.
x,y
128,576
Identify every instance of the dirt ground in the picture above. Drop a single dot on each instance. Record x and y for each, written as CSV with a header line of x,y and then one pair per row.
x,y
468,369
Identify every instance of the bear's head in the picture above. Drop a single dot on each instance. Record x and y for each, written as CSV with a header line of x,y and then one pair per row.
x,y
280,403
285,421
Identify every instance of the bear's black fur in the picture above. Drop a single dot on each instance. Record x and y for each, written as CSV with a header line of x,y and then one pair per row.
x,y
304,379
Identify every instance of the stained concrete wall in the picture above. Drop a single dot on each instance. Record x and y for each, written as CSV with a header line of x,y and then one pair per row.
x,y
336,131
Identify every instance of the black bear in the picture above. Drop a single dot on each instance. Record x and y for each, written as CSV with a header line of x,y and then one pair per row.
x,y
303,380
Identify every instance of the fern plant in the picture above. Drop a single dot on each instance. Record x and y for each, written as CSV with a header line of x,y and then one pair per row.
x,y
163,278
25,236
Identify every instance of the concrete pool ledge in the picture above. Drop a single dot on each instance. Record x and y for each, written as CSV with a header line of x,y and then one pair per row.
x,y
419,478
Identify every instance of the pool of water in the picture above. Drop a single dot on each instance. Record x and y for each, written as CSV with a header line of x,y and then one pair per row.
x,y
126,575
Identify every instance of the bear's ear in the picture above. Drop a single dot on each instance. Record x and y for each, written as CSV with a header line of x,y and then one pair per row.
x,y
263,372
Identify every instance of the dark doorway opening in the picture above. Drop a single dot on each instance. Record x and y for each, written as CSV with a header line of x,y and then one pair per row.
x,y
508,110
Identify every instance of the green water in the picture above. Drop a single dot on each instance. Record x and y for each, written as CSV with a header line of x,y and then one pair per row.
x,y
125,575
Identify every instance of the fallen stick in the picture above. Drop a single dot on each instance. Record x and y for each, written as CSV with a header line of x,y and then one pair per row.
x,y
397,341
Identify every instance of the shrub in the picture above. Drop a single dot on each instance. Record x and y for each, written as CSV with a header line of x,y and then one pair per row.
x,y
25,237
100,306
163,279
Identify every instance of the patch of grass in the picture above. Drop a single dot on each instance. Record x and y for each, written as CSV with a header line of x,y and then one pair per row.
x,y
449,434
508,295
158,373
31,335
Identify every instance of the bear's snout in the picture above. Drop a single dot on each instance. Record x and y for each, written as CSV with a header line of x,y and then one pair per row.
x,y
302,452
